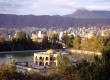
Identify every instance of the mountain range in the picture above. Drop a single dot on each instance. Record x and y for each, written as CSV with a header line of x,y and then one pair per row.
x,y
87,14
80,18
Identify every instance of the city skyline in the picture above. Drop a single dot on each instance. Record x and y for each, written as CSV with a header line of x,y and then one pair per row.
x,y
50,7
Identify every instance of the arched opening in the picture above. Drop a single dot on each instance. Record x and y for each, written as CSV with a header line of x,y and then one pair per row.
x,y
51,58
54,58
55,63
46,58
40,64
46,63
40,58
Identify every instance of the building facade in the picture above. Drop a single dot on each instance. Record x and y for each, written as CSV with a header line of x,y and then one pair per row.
x,y
48,58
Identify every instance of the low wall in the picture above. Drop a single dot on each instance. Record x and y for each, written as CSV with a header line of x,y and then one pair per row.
x,y
84,52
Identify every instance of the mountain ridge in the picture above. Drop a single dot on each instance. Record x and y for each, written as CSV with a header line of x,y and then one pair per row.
x,y
87,14
47,21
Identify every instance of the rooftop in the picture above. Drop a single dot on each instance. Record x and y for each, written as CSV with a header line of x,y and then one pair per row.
x,y
50,52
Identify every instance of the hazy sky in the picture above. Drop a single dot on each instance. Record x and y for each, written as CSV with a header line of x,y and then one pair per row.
x,y
50,7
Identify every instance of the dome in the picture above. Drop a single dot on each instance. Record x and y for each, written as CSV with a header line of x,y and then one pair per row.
x,y
50,51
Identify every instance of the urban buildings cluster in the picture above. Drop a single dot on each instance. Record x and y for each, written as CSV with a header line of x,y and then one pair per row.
x,y
39,33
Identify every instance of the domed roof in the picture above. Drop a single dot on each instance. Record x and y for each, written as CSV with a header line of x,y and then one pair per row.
x,y
50,51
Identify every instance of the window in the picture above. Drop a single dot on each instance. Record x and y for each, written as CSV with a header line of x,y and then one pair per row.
x,y
46,58
54,58
40,64
51,58
46,64
40,58
55,63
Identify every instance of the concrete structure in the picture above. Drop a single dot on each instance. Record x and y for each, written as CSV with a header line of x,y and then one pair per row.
x,y
46,58
60,36
41,34
85,52
34,36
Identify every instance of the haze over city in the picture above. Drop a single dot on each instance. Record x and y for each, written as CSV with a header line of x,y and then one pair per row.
x,y
50,7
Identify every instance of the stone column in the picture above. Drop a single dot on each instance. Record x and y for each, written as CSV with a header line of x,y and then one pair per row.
x,y
38,60
44,61
48,60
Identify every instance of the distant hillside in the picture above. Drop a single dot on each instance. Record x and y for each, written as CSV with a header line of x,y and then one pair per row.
x,y
84,13
9,20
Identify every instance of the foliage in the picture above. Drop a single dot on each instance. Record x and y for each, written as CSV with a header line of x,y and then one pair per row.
x,y
63,62
8,72
76,43
96,43
82,70
97,70
21,41
2,40
100,68
68,40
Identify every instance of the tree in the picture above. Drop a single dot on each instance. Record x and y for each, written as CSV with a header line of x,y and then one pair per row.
x,y
76,43
102,69
102,42
65,69
65,39
45,42
8,72
2,39
54,38
63,61
20,35
68,40
85,43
